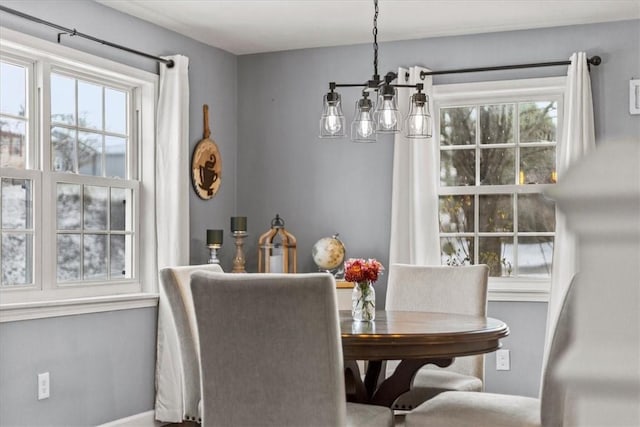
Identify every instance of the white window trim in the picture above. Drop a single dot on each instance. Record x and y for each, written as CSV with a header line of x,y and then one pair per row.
x,y
504,289
40,302
55,308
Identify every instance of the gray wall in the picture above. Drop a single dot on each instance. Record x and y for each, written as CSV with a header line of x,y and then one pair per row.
x,y
102,365
324,186
527,324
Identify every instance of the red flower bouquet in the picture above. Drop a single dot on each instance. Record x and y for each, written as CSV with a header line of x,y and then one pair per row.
x,y
361,270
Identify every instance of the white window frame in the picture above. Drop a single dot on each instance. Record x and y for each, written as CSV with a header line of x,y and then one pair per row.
x,y
46,298
498,92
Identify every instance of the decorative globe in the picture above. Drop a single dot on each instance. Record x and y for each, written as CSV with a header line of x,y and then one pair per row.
x,y
328,253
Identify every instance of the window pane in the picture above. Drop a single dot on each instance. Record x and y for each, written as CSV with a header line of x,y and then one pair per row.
x,y
68,257
90,153
536,213
497,166
13,143
496,124
457,167
538,165
115,103
524,143
121,205
95,256
497,253
89,105
13,89
116,149
456,251
95,207
17,259
68,207
458,126
496,213
17,200
120,256
538,121
456,214
535,255
63,144
63,99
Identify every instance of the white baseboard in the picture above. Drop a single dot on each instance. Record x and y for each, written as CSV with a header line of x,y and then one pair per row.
x,y
143,419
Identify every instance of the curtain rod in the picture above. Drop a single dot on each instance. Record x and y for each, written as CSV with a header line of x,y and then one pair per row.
x,y
72,32
594,60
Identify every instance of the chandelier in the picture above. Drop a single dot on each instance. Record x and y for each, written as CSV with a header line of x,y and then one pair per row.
x,y
384,117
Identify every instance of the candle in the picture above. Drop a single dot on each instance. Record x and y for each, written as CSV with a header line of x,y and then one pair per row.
x,y
238,223
275,264
214,237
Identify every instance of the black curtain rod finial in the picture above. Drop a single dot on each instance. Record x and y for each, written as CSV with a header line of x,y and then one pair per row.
x,y
595,60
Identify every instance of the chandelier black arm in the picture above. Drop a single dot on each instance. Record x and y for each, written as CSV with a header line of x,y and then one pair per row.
x,y
415,86
348,85
376,84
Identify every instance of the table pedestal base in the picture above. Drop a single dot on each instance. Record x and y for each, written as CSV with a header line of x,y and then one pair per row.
x,y
378,390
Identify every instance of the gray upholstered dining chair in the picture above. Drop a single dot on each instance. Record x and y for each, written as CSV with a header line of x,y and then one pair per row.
x,y
472,409
460,290
178,365
271,352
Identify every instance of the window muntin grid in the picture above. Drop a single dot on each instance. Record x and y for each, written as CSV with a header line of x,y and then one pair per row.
x,y
496,159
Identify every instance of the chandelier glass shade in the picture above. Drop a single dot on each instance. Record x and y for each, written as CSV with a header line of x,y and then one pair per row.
x,y
381,118
332,121
388,118
363,127
418,123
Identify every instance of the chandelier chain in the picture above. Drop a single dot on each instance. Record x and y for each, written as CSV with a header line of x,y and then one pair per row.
x,y
375,38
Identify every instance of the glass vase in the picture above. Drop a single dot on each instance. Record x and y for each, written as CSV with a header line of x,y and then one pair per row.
x,y
363,301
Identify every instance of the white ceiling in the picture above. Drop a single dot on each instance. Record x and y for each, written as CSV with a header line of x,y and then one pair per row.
x,y
253,26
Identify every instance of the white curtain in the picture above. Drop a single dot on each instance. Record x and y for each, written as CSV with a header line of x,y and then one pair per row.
x,y
414,198
172,164
172,219
578,138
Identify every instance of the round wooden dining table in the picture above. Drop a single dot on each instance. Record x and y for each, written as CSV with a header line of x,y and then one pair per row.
x,y
414,338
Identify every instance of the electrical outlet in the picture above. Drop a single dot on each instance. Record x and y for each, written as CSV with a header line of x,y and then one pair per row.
x,y
503,362
43,386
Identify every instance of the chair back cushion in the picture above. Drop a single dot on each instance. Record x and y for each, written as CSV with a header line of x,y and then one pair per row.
x,y
270,349
177,365
460,290
553,396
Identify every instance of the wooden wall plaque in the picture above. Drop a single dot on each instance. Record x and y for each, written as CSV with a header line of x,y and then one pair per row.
x,y
206,163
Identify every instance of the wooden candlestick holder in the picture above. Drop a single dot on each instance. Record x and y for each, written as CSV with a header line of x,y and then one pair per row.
x,y
238,259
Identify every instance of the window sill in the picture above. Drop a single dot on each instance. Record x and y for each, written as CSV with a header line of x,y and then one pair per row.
x,y
518,290
44,309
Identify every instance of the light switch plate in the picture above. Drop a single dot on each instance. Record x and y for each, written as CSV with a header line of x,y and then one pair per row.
x,y
43,386
634,96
